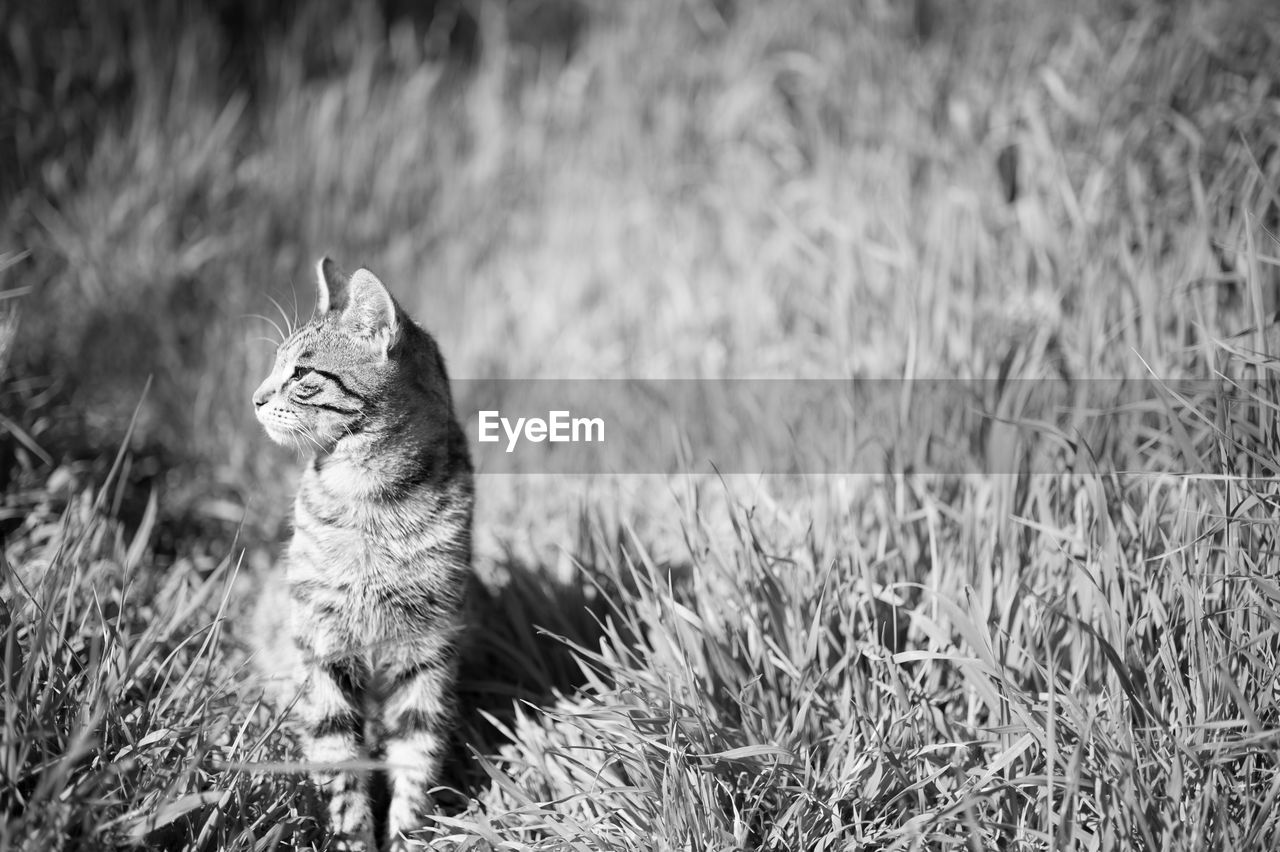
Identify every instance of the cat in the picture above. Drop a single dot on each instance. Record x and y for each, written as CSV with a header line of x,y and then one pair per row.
x,y
379,564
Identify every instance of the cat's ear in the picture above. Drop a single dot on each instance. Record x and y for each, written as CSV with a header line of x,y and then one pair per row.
x,y
332,285
370,311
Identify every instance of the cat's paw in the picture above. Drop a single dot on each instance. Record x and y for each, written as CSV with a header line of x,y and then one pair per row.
x,y
350,822
400,843
406,818
351,844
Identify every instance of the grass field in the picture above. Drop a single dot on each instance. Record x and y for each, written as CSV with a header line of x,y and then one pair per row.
x,y
1079,654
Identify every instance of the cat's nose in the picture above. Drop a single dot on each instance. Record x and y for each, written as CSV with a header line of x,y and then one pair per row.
x,y
263,394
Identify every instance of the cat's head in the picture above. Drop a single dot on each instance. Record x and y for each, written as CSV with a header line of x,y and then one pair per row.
x,y
330,375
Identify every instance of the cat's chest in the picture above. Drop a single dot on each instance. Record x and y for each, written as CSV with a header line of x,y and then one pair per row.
x,y
363,540
368,552
333,549
346,478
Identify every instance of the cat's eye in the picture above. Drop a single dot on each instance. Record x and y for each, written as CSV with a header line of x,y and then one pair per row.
x,y
303,391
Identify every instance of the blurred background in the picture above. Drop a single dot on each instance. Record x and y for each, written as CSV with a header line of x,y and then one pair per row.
x,y
579,189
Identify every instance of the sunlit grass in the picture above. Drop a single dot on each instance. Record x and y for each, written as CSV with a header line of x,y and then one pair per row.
x,y
121,700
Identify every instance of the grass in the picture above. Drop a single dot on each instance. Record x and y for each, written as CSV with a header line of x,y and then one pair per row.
x,y
1078,654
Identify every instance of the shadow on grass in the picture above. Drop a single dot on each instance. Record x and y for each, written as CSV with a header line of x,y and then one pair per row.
x,y
516,656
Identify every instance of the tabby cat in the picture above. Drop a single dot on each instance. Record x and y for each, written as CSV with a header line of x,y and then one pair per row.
x,y
379,562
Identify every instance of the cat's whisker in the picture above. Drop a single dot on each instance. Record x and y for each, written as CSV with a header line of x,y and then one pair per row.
x,y
283,316
272,323
307,433
293,291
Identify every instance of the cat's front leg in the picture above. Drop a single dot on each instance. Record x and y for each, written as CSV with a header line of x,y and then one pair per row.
x,y
334,733
416,715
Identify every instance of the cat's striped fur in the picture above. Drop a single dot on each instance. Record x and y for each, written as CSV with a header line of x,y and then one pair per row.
x,y
379,562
